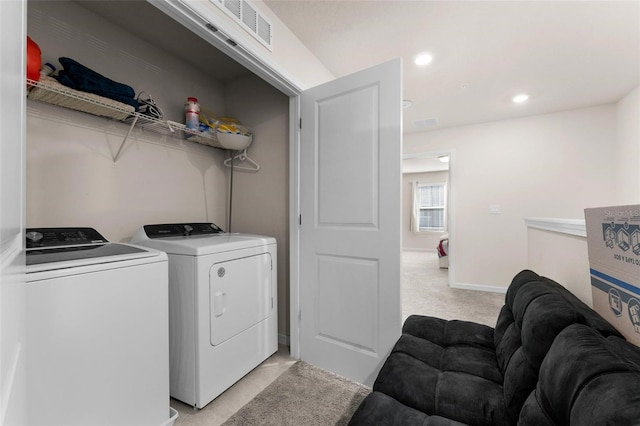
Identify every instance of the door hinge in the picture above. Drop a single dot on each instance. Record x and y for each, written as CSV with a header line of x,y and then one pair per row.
x,y
300,315
300,219
301,123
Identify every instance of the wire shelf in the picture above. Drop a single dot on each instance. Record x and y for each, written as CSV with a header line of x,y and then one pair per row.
x,y
50,91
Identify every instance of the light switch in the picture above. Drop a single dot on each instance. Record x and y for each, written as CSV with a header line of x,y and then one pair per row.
x,y
494,208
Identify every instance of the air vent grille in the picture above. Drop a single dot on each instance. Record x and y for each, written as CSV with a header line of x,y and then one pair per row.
x,y
233,6
248,17
264,30
426,123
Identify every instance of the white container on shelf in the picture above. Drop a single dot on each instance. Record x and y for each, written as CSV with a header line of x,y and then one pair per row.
x,y
234,141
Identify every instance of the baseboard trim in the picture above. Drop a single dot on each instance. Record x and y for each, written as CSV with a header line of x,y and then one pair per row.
x,y
283,340
479,287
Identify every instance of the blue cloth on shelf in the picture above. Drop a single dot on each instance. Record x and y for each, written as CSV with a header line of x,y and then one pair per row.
x,y
79,77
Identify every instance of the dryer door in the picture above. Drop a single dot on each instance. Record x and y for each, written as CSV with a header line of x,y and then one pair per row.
x,y
239,295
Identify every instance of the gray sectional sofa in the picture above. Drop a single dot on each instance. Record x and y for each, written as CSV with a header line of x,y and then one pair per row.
x,y
550,360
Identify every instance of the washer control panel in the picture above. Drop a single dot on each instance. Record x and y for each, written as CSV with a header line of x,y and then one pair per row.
x,y
56,237
181,230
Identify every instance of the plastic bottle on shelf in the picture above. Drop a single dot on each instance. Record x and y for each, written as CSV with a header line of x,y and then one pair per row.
x,y
47,69
192,113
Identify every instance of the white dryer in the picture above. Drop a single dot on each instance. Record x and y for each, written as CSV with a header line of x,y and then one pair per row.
x,y
222,305
97,330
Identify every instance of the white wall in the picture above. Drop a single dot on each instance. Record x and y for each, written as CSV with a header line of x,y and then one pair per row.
x,y
291,57
628,184
424,241
261,200
551,165
72,179
564,257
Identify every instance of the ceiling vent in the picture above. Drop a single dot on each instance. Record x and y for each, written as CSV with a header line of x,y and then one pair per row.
x,y
426,123
246,14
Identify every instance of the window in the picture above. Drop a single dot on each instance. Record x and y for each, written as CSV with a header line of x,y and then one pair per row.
x,y
431,203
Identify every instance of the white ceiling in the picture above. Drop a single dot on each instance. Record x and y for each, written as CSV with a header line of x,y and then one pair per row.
x,y
564,54
424,163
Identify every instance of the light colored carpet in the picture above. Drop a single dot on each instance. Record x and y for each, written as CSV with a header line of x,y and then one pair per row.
x,y
302,395
425,291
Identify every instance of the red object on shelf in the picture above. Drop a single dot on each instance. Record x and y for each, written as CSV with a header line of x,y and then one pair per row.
x,y
34,60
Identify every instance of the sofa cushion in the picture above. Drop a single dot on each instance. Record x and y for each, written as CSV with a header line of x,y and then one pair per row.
x,y
450,349
527,288
536,310
448,333
586,379
475,374
380,409
455,395
539,317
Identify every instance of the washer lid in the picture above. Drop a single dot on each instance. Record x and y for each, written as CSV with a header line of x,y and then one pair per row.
x,y
64,254
199,245
195,239
58,248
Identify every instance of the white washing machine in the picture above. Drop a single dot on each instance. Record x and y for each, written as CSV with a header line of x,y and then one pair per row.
x,y
97,331
222,305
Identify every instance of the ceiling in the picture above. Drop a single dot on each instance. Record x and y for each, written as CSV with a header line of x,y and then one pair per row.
x,y
563,54
424,163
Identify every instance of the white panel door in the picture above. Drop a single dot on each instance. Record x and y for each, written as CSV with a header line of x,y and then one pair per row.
x,y
350,198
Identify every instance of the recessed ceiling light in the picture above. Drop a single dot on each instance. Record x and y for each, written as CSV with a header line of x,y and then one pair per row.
x,y
423,59
520,98
406,103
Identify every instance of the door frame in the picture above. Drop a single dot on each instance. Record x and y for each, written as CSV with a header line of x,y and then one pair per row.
x,y
451,207
294,226
13,335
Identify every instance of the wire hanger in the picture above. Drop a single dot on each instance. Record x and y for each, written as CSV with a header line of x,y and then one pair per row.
x,y
243,157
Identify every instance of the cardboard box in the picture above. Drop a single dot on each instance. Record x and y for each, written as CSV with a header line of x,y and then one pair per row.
x,y
613,241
